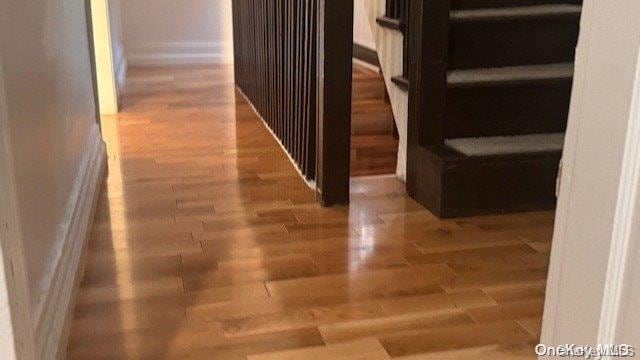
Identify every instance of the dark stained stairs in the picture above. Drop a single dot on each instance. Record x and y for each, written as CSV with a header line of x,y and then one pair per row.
x,y
490,102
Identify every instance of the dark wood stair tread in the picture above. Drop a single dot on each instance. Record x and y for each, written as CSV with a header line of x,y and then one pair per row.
x,y
510,74
401,81
506,145
516,12
391,23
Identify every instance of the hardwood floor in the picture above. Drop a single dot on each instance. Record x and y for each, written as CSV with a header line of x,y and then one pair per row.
x,y
374,149
207,245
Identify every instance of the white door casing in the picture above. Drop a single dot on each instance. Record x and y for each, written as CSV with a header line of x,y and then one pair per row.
x,y
594,257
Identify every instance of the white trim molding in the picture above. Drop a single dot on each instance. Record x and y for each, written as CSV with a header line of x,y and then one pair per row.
x,y
53,309
180,53
625,227
105,60
591,292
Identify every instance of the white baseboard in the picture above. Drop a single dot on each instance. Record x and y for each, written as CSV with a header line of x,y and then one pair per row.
x,y
54,309
180,53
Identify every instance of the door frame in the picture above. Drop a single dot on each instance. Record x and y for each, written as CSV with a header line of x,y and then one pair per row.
x,y
333,131
92,58
103,56
594,267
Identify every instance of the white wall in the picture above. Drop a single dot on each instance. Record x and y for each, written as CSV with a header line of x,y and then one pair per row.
x,y
16,325
47,79
177,32
591,292
52,141
362,33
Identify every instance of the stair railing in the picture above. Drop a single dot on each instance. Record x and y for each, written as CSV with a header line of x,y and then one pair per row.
x,y
276,68
397,15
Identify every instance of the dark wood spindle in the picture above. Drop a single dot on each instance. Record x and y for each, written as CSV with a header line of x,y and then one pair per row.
x,y
275,63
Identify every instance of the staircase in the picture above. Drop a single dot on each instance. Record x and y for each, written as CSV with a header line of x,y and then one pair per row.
x,y
373,144
396,17
492,101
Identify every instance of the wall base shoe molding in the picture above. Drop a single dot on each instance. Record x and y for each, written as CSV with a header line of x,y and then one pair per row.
x,y
55,308
180,53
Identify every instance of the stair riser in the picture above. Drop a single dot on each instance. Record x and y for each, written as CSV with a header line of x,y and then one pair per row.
x,y
453,188
528,41
478,4
508,109
506,186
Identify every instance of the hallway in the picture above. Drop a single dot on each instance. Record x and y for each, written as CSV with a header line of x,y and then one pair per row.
x,y
208,245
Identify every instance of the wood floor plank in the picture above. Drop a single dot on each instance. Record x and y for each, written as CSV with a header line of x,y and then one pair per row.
x,y
208,245
352,330
455,338
361,349
490,352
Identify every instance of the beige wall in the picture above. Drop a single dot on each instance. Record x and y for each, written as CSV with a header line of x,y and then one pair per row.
x,y
185,31
362,34
15,326
50,115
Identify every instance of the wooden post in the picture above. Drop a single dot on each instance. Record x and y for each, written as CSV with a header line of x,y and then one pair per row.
x,y
335,43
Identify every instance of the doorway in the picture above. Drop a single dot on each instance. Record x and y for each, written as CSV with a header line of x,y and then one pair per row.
x,y
374,134
106,54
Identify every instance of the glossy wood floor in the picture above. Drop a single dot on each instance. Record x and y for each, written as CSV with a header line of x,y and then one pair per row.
x,y
207,245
